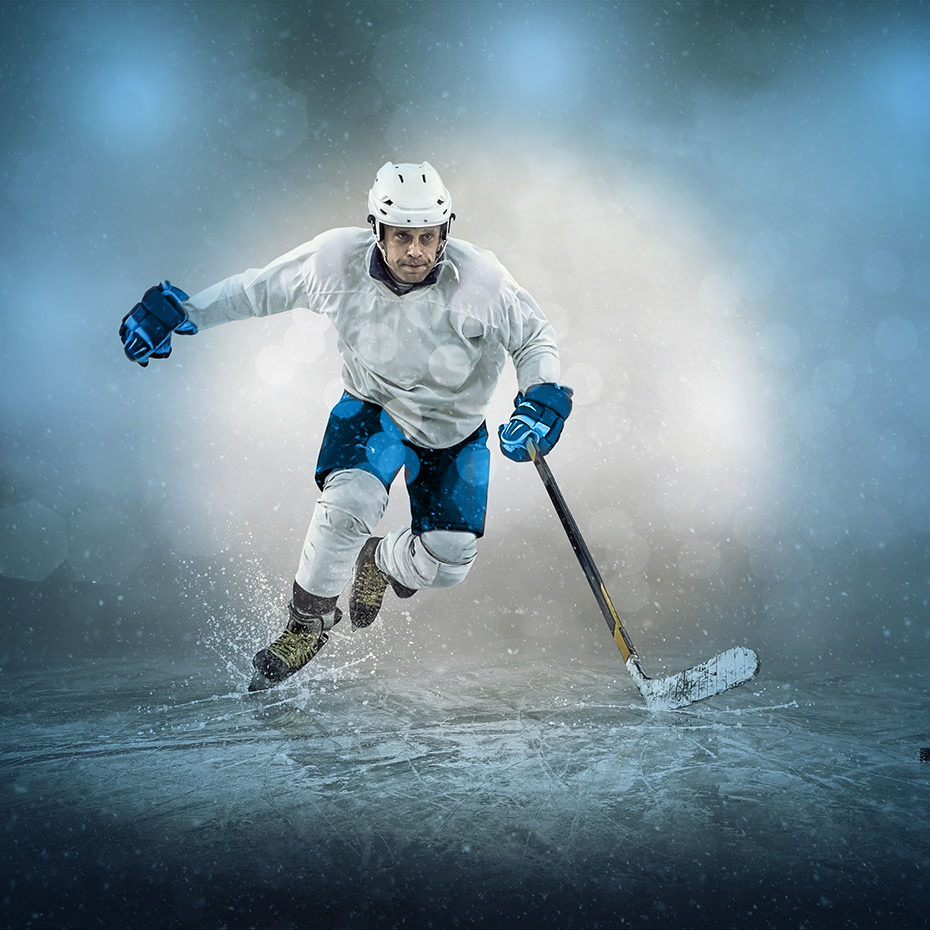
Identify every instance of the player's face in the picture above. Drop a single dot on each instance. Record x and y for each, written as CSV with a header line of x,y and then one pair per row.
x,y
410,254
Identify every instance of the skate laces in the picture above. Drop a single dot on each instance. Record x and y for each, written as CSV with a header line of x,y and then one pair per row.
x,y
371,585
296,649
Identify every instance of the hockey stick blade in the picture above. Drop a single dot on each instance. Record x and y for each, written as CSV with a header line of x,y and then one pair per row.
x,y
721,673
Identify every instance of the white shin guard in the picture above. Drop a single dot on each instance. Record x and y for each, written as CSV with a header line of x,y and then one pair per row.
x,y
437,559
346,514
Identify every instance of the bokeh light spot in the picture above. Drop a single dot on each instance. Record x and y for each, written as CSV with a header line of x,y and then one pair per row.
x,y
587,382
828,298
779,344
896,338
542,58
883,272
377,344
834,381
698,558
304,341
274,365
449,365
264,118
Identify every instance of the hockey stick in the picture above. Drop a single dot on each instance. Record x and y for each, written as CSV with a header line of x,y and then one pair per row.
x,y
722,672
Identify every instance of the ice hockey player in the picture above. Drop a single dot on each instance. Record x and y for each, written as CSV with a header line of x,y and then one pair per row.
x,y
425,324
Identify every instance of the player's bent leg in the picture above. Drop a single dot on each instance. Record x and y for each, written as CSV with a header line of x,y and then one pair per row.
x,y
350,506
346,513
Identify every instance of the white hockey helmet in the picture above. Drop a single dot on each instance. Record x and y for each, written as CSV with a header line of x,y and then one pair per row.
x,y
409,195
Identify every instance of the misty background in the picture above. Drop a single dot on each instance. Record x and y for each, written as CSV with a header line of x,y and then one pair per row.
x,y
722,207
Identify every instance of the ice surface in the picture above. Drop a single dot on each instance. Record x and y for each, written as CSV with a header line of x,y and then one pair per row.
x,y
154,792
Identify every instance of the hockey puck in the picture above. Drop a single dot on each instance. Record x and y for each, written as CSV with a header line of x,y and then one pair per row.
x,y
925,754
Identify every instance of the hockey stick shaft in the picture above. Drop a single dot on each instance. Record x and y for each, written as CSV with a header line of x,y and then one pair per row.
x,y
611,617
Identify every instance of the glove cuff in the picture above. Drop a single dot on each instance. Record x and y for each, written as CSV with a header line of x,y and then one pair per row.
x,y
555,397
175,297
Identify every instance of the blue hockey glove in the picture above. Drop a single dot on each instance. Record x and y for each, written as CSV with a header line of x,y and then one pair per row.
x,y
539,414
147,328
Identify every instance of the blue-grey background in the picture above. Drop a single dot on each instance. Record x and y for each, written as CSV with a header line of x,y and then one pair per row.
x,y
722,207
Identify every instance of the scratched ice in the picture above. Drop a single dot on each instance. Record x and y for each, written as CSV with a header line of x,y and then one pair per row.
x,y
413,791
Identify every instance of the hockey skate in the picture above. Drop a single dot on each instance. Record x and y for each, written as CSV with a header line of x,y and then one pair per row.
x,y
368,586
303,637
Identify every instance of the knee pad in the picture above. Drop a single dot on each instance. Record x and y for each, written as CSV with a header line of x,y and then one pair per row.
x,y
450,547
353,502
452,554
435,559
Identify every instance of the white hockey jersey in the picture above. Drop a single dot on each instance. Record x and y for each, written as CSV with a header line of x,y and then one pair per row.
x,y
431,357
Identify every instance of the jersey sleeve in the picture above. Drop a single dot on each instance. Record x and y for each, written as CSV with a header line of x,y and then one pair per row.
x,y
531,343
281,285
